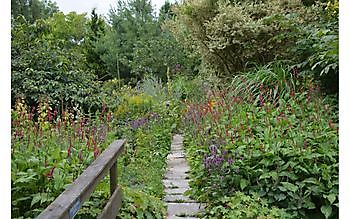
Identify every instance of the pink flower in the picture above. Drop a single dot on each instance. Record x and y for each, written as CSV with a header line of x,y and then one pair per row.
x,y
96,152
69,151
49,175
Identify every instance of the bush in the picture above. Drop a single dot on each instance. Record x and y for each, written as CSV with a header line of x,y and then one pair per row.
x,y
47,62
285,151
318,49
232,35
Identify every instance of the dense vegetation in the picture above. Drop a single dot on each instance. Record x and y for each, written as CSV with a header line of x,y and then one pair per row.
x,y
253,86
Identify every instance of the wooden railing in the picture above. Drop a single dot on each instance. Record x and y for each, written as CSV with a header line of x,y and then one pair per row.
x,y
69,202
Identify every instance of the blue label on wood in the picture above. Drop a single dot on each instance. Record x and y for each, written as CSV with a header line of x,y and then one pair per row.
x,y
74,209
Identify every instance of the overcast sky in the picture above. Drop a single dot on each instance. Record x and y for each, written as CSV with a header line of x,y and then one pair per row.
x,y
103,6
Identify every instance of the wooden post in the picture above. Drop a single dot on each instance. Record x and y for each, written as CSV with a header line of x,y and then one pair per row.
x,y
113,177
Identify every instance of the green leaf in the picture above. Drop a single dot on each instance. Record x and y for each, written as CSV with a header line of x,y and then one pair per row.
x,y
290,186
243,183
331,198
280,197
309,204
326,210
36,199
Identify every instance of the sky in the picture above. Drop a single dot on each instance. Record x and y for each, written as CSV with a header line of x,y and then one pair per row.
x,y
102,6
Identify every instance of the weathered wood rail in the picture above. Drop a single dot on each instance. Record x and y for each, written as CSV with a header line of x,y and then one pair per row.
x,y
68,203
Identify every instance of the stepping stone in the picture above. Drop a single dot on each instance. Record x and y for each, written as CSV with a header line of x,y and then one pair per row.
x,y
177,139
171,175
175,162
181,170
174,191
179,154
178,199
184,209
183,183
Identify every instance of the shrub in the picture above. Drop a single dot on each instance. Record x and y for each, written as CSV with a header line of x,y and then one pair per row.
x,y
285,151
47,62
231,35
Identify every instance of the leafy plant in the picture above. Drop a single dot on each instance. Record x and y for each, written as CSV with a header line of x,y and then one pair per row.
x,y
243,206
283,151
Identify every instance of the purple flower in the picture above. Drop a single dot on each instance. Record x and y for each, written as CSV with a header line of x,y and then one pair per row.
x,y
230,161
213,149
138,123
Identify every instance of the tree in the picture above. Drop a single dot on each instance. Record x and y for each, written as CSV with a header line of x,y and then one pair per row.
x,y
33,9
131,23
48,61
97,30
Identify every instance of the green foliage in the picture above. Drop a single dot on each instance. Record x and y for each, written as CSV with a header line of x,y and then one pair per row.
x,y
285,151
136,45
153,86
166,12
130,22
154,56
33,9
231,35
49,150
277,76
47,62
243,206
185,87
137,204
319,48
97,29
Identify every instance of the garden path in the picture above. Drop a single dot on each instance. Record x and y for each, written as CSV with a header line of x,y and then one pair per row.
x,y
176,183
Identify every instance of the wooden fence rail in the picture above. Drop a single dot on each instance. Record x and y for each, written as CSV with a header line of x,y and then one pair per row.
x,y
67,204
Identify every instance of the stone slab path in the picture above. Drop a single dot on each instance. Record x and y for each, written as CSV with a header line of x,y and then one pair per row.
x,y
176,183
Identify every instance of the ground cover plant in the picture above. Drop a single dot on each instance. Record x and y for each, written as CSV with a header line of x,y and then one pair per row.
x,y
282,149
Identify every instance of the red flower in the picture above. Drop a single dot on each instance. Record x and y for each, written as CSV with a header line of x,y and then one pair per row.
x,y
49,175
96,152
69,151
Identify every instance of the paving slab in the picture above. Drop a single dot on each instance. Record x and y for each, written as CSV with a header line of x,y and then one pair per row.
x,y
175,183
184,209
177,162
178,154
172,175
175,190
